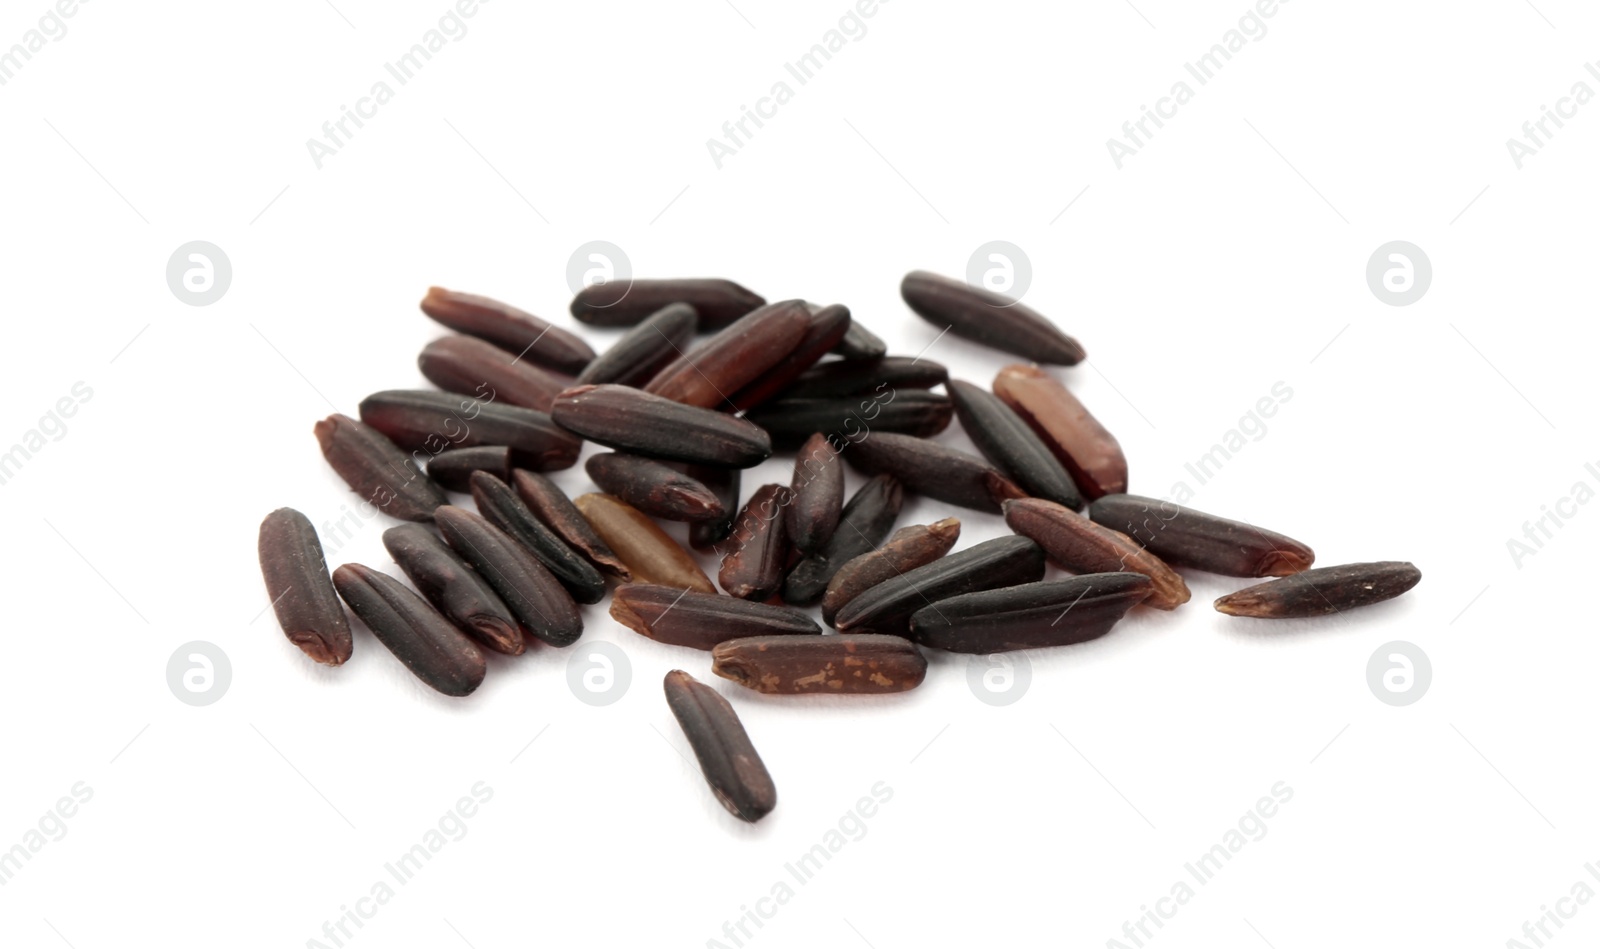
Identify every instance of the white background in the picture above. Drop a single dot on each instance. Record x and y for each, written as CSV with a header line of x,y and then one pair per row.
x,y
1227,256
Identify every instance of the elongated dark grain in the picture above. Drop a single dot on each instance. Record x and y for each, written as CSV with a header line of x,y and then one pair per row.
x,y
1077,544
418,635
1184,537
887,607
1322,591
816,495
301,592
757,552
988,318
701,620
454,588
626,302
724,483
654,488
651,556
826,327
1011,445
453,469
469,366
931,469
1030,615
865,522
552,506
846,377
501,506
860,343
509,328
909,548
708,375
850,419
637,422
727,758
376,469
1089,452
433,422
859,664
536,597
645,350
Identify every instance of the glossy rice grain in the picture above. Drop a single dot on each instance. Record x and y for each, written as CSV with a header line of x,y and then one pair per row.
x,y
654,487
376,469
1184,537
639,423
850,419
469,366
757,552
501,506
300,591
909,548
552,506
1089,452
708,375
866,520
988,318
816,495
847,377
433,422
540,603
453,469
887,607
418,635
650,555
626,302
645,350
827,326
509,328
860,343
1030,615
729,761
935,471
702,620
858,664
1077,544
1322,591
724,483
1011,445
454,588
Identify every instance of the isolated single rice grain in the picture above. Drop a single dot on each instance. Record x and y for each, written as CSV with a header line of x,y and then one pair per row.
x,y
866,520
847,419
1089,452
757,552
637,422
817,495
552,506
846,377
377,470
860,343
301,592
435,651
645,350
1030,615
509,328
1011,445
469,366
452,470
708,375
454,588
988,318
887,607
1188,538
859,664
827,326
1322,591
539,601
650,555
654,487
909,548
727,758
1077,544
433,422
724,483
501,506
702,620
626,302
933,470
